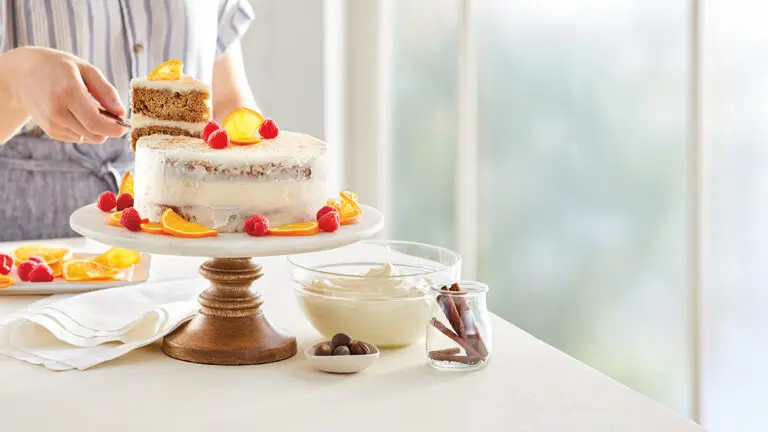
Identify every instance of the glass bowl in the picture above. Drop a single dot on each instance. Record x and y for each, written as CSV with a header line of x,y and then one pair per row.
x,y
375,291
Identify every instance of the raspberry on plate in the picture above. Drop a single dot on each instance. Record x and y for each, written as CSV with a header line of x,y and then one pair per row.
x,y
257,225
41,273
323,211
124,201
131,220
24,269
329,222
6,264
268,129
209,128
106,201
218,139
36,259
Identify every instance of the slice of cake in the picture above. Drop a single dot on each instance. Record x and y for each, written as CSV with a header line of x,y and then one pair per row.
x,y
281,178
168,106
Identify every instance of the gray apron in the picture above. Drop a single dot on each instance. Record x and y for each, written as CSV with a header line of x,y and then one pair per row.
x,y
43,181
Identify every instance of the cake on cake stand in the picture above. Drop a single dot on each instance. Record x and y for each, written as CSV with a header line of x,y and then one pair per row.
x,y
230,328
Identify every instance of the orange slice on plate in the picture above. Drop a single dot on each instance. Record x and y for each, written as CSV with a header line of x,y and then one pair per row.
x,y
152,227
242,126
57,269
297,229
87,270
126,186
51,254
170,70
5,281
118,258
177,226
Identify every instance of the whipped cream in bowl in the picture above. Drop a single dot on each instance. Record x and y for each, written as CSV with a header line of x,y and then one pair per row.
x,y
377,291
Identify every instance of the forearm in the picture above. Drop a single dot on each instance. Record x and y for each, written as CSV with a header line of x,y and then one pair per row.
x,y
12,114
230,85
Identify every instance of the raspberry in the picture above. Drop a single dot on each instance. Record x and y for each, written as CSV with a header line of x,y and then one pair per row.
x,y
24,269
41,273
257,225
268,129
130,219
209,128
322,212
106,201
124,201
218,139
36,259
6,264
329,222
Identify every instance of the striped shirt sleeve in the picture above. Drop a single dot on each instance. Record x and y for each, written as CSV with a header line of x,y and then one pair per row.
x,y
235,17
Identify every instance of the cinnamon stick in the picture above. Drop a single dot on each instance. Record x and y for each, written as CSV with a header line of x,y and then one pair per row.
x,y
470,330
445,352
468,348
457,358
451,312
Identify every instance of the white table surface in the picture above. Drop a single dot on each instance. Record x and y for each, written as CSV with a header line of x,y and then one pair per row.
x,y
528,386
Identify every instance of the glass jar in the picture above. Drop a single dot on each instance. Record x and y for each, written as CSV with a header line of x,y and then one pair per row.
x,y
459,332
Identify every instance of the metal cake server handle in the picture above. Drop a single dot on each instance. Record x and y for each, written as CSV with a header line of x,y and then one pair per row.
x,y
119,120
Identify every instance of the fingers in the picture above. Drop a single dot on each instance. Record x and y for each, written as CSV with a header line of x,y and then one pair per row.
x,y
86,112
70,122
61,133
101,89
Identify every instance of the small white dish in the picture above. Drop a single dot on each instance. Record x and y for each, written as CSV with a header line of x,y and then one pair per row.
x,y
345,364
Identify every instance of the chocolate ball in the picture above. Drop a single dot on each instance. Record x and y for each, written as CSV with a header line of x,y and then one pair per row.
x,y
359,348
323,350
341,339
341,350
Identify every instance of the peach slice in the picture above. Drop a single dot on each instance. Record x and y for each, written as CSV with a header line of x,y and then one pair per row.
x,y
297,229
170,70
242,126
177,226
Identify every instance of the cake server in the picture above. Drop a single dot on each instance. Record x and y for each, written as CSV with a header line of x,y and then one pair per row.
x,y
119,120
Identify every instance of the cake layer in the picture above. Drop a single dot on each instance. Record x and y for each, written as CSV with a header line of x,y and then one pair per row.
x,y
190,106
282,179
139,132
141,121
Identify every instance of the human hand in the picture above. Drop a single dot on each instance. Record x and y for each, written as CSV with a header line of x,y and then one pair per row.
x,y
53,88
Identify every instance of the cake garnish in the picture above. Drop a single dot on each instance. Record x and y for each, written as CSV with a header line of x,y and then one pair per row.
x,y
349,210
131,220
209,128
257,225
152,228
269,129
126,186
242,125
297,229
329,222
107,201
177,226
124,201
219,139
170,70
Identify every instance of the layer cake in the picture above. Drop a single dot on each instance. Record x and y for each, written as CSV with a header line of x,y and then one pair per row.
x,y
281,178
169,107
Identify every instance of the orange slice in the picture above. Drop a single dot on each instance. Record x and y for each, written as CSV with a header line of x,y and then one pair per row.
x,y
170,70
351,220
242,126
297,229
85,270
126,186
57,269
152,227
5,281
51,254
118,258
176,225
350,199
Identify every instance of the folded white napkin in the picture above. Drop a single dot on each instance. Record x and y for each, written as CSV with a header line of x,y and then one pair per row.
x,y
81,331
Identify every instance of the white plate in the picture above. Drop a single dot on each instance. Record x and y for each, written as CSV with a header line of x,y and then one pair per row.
x,y
346,364
133,275
89,221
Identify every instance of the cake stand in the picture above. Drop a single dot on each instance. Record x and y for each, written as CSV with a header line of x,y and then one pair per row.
x,y
229,328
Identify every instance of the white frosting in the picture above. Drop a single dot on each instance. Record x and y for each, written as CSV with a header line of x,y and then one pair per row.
x,y
375,307
217,188
379,283
286,148
186,83
141,120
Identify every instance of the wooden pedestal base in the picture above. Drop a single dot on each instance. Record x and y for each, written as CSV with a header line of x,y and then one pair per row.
x,y
230,328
